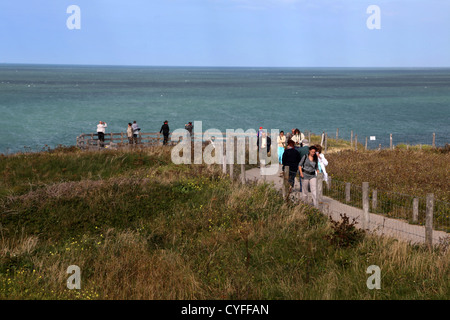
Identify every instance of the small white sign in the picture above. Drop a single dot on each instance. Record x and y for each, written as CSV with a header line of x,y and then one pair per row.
x,y
372,138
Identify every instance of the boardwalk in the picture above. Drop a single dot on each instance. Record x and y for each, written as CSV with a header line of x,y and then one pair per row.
x,y
378,224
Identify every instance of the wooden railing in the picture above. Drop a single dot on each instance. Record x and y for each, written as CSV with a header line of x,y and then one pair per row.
x,y
87,141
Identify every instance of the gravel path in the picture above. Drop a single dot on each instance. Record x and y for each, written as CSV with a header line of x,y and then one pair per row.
x,y
379,224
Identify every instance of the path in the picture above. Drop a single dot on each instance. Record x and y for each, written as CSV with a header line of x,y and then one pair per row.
x,y
378,224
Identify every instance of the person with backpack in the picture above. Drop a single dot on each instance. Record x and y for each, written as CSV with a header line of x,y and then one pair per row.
x,y
308,167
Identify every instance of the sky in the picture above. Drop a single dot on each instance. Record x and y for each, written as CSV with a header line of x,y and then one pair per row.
x,y
229,33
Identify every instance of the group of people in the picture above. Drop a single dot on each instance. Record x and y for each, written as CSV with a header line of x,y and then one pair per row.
x,y
133,132
295,153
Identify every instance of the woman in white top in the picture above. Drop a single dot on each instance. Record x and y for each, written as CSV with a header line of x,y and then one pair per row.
x,y
281,140
322,162
298,138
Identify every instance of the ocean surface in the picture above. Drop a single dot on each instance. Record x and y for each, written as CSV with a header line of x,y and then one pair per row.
x,y
44,105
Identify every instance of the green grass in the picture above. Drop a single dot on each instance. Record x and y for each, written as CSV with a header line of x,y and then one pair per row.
x,y
140,227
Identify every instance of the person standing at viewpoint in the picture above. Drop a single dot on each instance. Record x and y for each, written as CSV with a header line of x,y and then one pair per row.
x,y
101,129
130,133
136,130
165,131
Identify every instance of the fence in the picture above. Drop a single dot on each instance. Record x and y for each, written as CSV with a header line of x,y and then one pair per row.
x,y
87,141
415,211
415,219
118,140
431,141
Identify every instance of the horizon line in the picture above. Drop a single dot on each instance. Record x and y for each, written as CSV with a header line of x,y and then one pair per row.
x,y
218,66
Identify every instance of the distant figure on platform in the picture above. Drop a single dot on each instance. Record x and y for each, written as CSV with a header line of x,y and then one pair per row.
x,y
136,130
101,129
189,127
165,131
130,133
291,159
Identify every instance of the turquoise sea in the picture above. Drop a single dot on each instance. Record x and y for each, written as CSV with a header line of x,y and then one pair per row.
x,y
51,105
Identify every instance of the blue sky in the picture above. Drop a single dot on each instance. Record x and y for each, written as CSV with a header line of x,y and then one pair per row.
x,y
266,33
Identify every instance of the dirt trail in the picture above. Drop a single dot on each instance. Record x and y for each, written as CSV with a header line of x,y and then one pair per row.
x,y
379,224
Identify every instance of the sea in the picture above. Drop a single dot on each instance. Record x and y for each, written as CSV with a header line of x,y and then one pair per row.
x,y
43,106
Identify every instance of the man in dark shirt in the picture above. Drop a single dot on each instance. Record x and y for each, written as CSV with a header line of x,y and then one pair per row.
x,y
304,149
291,159
165,131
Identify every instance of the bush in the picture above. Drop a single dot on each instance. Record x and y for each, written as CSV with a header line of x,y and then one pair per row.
x,y
344,233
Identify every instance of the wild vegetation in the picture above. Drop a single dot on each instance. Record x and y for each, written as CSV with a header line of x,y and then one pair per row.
x,y
140,227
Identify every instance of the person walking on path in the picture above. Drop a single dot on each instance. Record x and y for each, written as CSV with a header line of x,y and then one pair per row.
x,y
281,141
322,162
130,133
291,159
289,135
303,150
308,167
297,138
165,131
101,129
136,129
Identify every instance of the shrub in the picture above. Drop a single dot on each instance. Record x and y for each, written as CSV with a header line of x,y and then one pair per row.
x,y
344,233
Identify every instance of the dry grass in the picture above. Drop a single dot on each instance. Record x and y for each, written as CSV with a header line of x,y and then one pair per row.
x,y
159,231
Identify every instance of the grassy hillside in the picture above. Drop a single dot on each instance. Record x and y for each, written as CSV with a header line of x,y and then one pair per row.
x,y
140,227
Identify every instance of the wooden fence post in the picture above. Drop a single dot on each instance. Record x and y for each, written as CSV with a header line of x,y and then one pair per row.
x,y
429,220
374,200
351,139
365,203
391,145
319,191
415,216
243,173
224,164
309,137
231,171
434,140
356,142
337,133
326,143
366,144
347,191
